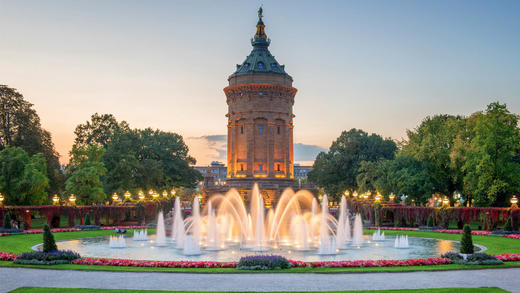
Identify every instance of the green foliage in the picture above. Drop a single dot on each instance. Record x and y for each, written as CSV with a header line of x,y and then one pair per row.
x,y
87,219
432,144
23,178
466,243
509,225
7,221
98,131
402,175
337,169
143,159
86,170
491,173
48,240
20,127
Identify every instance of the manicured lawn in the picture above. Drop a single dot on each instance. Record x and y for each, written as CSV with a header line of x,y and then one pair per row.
x,y
23,243
442,290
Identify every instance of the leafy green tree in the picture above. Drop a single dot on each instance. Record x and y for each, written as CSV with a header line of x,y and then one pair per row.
x,y
99,130
490,170
85,168
432,143
404,175
7,221
337,169
148,159
20,126
23,179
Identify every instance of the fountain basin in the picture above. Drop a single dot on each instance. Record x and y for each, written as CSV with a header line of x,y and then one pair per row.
x,y
146,250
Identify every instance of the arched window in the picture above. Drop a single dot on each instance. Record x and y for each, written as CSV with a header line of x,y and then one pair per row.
x,y
278,130
241,129
260,128
260,65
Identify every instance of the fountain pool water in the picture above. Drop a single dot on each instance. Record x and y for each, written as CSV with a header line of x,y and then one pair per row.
x,y
225,230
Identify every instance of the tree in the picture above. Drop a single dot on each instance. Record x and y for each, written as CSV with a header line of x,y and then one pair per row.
x,y
20,126
98,131
148,159
490,170
337,169
466,243
23,179
432,143
49,244
402,175
86,169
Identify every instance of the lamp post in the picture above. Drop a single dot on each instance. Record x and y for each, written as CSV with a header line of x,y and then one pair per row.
x,y
165,193
378,197
172,192
392,197
72,199
141,195
446,201
2,198
56,199
514,202
115,198
127,195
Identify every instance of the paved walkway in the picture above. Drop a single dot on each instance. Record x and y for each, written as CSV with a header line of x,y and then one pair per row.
x,y
11,278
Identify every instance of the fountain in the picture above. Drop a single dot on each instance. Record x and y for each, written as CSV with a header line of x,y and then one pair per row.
x,y
401,241
357,238
327,241
343,228
213,241
378,236
117,242
141,235
192,238
160,240
178,230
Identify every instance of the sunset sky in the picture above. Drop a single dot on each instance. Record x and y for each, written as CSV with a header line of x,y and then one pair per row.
x,y
381,66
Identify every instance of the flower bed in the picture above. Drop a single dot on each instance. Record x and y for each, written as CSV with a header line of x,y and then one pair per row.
x,y
393,228
6,256
512,236
457,231
153,264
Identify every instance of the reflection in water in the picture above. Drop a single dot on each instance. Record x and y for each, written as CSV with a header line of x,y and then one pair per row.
x,y
419,248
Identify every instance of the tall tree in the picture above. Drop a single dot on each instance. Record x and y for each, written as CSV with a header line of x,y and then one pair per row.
x,y
85,169
23,178
432,143
99,130
491,172
148,159
20,126
337,169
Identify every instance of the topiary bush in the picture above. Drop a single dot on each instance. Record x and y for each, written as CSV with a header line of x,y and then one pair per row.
x,y
47,258
429,222
263,262
509,225
7,221
87,220
466,243
48,240
453,256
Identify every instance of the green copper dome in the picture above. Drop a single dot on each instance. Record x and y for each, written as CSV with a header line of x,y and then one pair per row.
x,y
260,59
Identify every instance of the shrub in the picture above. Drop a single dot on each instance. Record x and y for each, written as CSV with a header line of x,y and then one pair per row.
x,y
466,243
263,262
453,256
48,240
482,259
47,258
87,227
7,221
509,225
429,222
87,220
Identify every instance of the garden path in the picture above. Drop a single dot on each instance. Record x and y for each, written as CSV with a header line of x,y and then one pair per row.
x,y
11,278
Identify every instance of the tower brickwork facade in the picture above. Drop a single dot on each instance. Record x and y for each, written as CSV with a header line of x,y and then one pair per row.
x,y
260,100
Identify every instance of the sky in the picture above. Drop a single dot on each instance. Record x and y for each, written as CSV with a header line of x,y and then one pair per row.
x,y
381,66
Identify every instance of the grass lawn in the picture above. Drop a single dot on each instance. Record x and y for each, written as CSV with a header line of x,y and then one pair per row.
x,y
495,245
442,290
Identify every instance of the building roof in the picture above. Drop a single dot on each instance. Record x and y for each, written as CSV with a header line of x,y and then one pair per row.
x,y
260,60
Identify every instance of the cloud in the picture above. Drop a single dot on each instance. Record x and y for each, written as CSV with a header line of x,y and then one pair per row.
x,y
209,148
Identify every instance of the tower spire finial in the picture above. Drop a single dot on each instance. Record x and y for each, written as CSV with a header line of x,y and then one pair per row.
x,y
260,27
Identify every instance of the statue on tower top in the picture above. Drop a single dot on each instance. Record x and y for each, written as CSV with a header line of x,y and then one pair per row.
x,y
260,12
